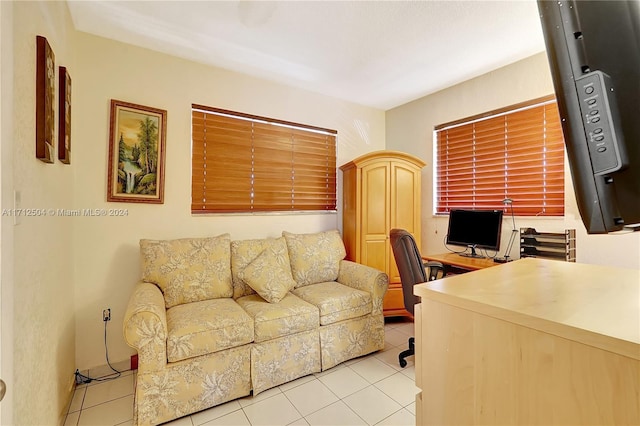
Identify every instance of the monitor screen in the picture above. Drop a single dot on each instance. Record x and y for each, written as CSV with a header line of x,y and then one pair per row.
x,y
475,229
593,49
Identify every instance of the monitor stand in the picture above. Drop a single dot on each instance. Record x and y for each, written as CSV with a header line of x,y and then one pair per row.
x,y
473,253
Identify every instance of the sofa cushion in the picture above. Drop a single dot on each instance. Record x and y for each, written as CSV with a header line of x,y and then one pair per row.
x,y
336,301
205,327
190,269
271,320
243,252
315,258
269,276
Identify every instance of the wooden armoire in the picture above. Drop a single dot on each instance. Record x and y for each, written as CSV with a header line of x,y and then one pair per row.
x,y
381,191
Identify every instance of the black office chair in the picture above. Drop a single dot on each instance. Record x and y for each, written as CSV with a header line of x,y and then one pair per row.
x,y
412,271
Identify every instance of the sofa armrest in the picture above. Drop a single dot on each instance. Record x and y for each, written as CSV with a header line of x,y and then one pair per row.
x,y
145,326
364,278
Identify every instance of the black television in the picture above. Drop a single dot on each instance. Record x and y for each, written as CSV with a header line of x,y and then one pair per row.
x,y
475,229
594,55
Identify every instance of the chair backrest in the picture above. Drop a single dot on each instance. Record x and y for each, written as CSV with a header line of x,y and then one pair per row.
x,y
410,265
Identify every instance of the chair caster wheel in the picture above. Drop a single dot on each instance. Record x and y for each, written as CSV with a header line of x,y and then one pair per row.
x,y
403,363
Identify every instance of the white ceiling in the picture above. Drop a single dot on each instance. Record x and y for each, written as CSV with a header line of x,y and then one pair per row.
x,y
376,53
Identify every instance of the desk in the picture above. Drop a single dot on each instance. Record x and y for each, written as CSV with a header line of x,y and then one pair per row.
x,y
532,342
456,261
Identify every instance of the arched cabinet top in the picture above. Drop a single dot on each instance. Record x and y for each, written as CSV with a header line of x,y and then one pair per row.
x,y
384,155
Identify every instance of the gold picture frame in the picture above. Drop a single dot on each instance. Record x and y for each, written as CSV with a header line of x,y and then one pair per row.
x,y
136,153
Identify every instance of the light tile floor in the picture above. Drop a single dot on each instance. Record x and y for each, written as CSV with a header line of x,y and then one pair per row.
x,y
371,390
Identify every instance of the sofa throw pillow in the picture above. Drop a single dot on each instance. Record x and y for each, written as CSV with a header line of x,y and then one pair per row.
x,y
269,275
243,252
315,258
189,269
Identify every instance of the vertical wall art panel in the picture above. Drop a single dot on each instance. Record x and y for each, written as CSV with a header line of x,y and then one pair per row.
x,y
45,101
64,116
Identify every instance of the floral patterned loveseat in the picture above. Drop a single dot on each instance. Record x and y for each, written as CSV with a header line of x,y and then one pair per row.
x,y
214,319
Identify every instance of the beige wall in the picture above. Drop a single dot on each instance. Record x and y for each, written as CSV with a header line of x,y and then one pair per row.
x,y
106,249
40,274
6,223
410,128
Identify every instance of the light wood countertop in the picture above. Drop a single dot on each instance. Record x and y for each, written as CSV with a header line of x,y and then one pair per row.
x,y
591,304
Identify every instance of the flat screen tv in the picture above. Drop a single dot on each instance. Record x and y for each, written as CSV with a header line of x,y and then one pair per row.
x,y
475,229
594,54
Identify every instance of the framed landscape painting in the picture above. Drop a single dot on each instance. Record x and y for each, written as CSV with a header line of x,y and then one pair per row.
x,y
136,153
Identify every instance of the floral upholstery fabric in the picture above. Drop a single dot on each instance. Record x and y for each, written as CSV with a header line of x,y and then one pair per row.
x,y
315,258
190,269
278,361
349,339
145,327
365,278
288,341
335,301
269,275
290,316
243,252
205,327
193,385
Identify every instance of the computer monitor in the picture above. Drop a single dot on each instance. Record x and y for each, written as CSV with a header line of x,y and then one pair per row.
x,y
594,55
475,229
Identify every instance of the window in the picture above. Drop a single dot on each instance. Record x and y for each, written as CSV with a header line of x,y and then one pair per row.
x,y
244,163
516,153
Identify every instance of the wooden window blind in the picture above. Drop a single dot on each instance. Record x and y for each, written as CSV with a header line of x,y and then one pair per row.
x,y
245,163
517,153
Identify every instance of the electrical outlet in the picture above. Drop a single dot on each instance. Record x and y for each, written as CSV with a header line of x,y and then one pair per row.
x,y
106,315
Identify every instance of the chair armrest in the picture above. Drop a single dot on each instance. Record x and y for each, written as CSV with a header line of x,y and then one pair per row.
x,y
434,269
364,278
145,326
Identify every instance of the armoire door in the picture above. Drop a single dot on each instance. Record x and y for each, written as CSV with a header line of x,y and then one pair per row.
x,y
375,216
405,212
